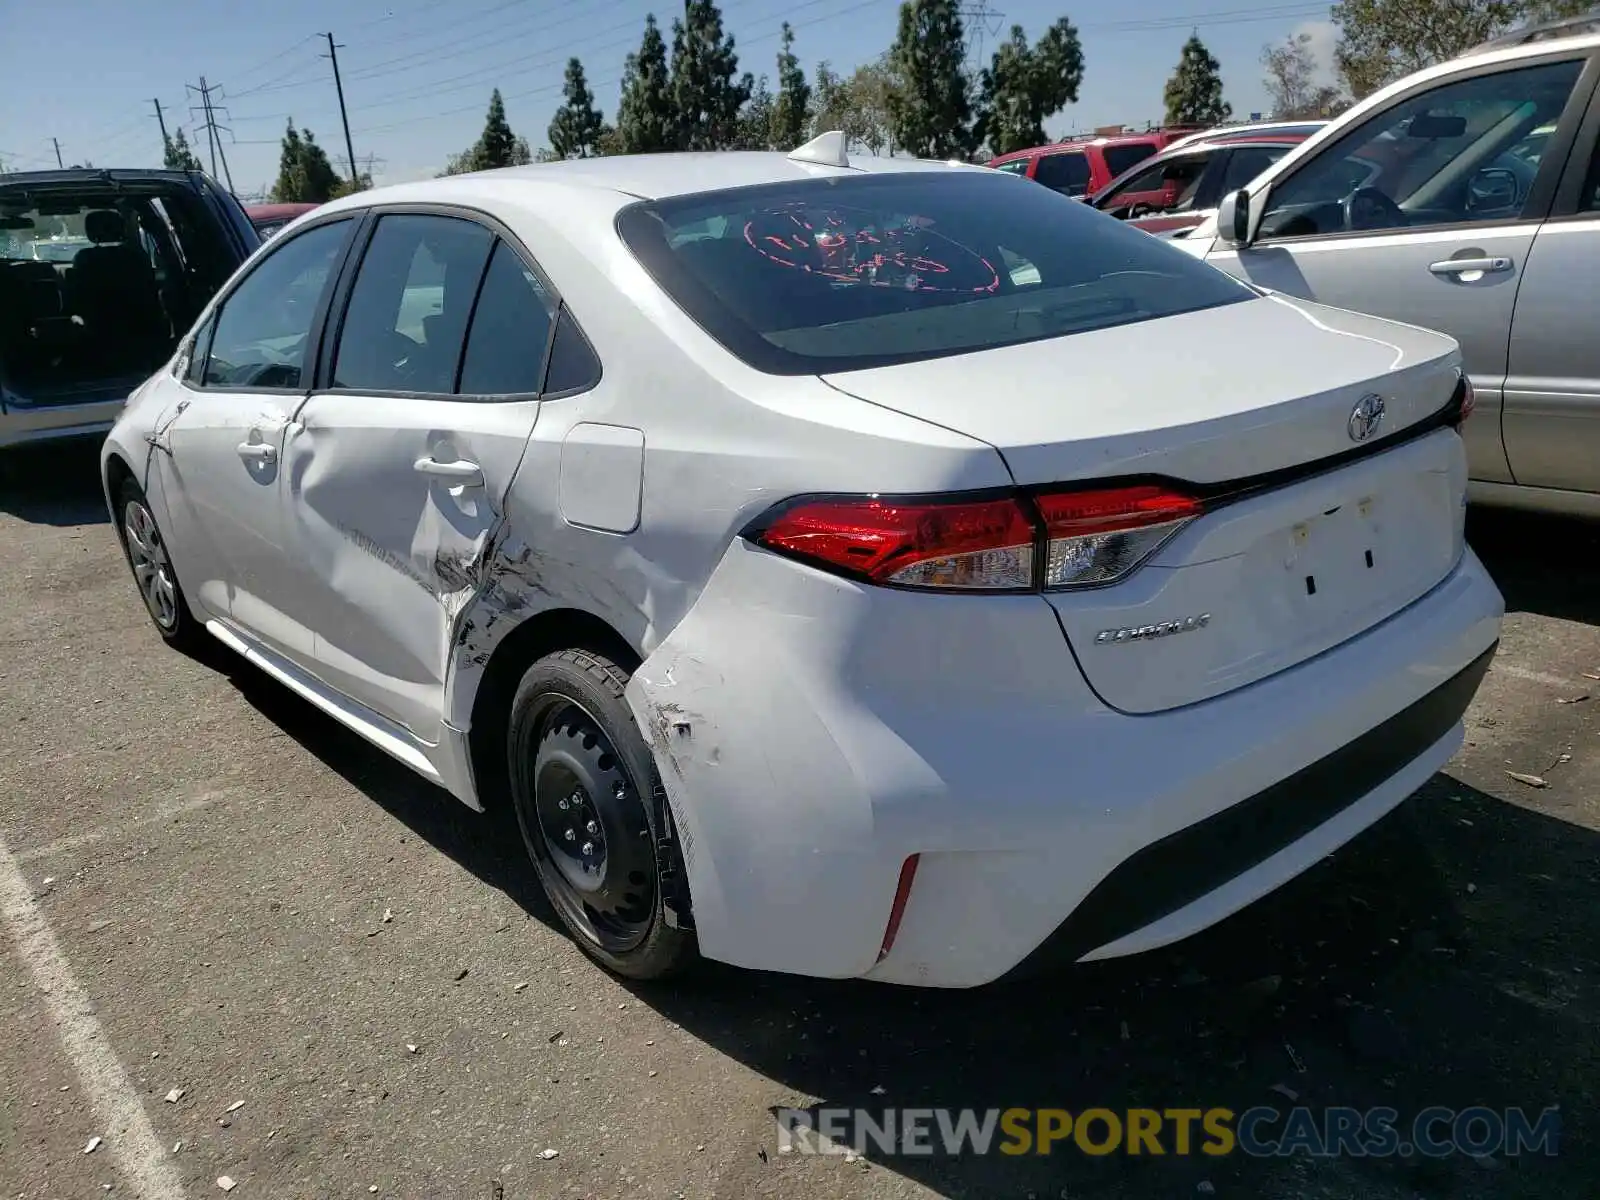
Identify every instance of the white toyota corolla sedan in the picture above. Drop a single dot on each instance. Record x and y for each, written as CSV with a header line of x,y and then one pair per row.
x,y
857,568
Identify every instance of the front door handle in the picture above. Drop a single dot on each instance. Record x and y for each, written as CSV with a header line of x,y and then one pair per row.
x,y
1463,266
460,472
261,452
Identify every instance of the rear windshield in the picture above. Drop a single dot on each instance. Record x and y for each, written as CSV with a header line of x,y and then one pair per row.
x,y
824,275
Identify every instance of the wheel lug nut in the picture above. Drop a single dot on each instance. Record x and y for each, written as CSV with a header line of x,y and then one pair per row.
x,y
562,805
620,791
594,827
571,835
588,848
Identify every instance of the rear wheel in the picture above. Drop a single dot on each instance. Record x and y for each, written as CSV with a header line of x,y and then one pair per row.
x,y
587,797
152,569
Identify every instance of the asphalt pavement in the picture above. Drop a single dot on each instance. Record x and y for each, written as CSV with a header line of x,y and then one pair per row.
x,y
237,943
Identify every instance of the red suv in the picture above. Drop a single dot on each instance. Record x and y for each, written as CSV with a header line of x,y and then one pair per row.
x,y
1082,166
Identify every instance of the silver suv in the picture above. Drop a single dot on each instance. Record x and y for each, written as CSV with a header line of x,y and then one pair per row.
x,y
1465,198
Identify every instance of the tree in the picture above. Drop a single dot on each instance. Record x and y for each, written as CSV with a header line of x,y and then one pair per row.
x,y
758,121
1194,93
705,99
577,125
931,114
305,176
1290,77
793,102
1382,40
645,119
497,146
178,156
1024,85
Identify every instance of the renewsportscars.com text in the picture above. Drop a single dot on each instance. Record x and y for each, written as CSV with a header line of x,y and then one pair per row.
x,y
1260,1132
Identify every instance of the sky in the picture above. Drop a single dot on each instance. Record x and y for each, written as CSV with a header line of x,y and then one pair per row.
x,y
417,76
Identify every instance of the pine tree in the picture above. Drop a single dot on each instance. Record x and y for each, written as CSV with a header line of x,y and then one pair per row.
x,y
496,145
1194,93
1023,85
577,125
645,123
793,102
178,156
305,176
931,114
705,98
758,121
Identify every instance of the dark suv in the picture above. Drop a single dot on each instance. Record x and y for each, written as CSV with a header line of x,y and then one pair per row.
x,y
101,272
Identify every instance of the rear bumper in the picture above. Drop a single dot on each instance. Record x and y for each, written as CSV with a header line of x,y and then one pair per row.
x,y
812,735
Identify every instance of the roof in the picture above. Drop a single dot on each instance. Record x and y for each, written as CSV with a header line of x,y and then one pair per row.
x,y
274,212
650,176
100,175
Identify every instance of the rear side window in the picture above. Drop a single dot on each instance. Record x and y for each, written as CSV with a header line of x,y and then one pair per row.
x,y
510,328
1246,162
823,275
573,365
407,317
1120,158
1064,173
1017,166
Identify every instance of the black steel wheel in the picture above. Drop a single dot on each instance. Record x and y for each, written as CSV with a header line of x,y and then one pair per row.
x,y
585,789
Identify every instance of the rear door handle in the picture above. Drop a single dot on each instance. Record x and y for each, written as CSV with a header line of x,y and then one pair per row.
x,y
1460,266
261,452
460,472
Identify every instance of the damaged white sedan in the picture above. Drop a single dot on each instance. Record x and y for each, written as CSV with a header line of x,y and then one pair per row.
x,y
853,568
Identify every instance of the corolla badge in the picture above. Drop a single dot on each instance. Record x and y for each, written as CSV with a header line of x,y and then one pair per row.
x,y
1365,417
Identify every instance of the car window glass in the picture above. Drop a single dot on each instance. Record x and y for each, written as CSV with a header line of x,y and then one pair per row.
x,y
510,328
1120,158
1166,186
1246,162
1017,166
1467,150
194,373
573,365
1589,200
1065,173
409,306
827,275
265,324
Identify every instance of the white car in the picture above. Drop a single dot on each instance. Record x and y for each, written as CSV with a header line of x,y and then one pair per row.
x,y
873,569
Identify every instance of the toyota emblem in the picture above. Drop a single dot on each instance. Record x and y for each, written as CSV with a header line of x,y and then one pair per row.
x,y
1366,417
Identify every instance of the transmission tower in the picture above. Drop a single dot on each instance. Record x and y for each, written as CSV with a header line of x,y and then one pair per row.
x,y
982,20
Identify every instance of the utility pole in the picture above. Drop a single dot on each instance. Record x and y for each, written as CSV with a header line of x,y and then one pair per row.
x,y
349,149
213,130
161,121
57,144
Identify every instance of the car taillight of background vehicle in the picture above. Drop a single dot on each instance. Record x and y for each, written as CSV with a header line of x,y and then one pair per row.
x,y
1015,543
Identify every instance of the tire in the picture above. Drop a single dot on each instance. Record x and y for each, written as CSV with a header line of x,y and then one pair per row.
x,y
146,551
590,808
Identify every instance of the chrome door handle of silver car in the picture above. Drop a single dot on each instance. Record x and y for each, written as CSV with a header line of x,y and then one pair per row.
x,y
262,452
1460,266
461,472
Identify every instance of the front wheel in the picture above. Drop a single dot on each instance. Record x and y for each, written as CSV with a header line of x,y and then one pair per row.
x,y
147,555
586,794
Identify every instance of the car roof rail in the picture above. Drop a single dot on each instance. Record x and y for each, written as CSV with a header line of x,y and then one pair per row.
x,y
1543,31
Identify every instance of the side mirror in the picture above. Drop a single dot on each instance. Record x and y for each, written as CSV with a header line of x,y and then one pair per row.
x,y
1492,189
1233,218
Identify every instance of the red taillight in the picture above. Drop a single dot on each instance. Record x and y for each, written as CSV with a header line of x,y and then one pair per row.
x,y
1469,399
897,911
963,544
1090,537
1098,537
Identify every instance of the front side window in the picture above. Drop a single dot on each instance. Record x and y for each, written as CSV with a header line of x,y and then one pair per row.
x,y
1017,166
1064,173
1247,162
263,330
1464,151
1166,186
407,318
825,275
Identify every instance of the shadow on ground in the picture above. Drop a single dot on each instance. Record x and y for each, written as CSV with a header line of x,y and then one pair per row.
x,y
53,484
1447,957
1544,565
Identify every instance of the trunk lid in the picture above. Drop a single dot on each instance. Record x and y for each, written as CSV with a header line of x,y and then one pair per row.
x,y
1213,398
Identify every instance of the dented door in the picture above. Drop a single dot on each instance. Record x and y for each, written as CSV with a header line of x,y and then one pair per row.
x,y
389,505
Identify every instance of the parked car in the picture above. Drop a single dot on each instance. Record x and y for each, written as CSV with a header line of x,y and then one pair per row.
x,y
1082,166
1295,129
101,272
270,218
1465,198
786,540
1175,191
